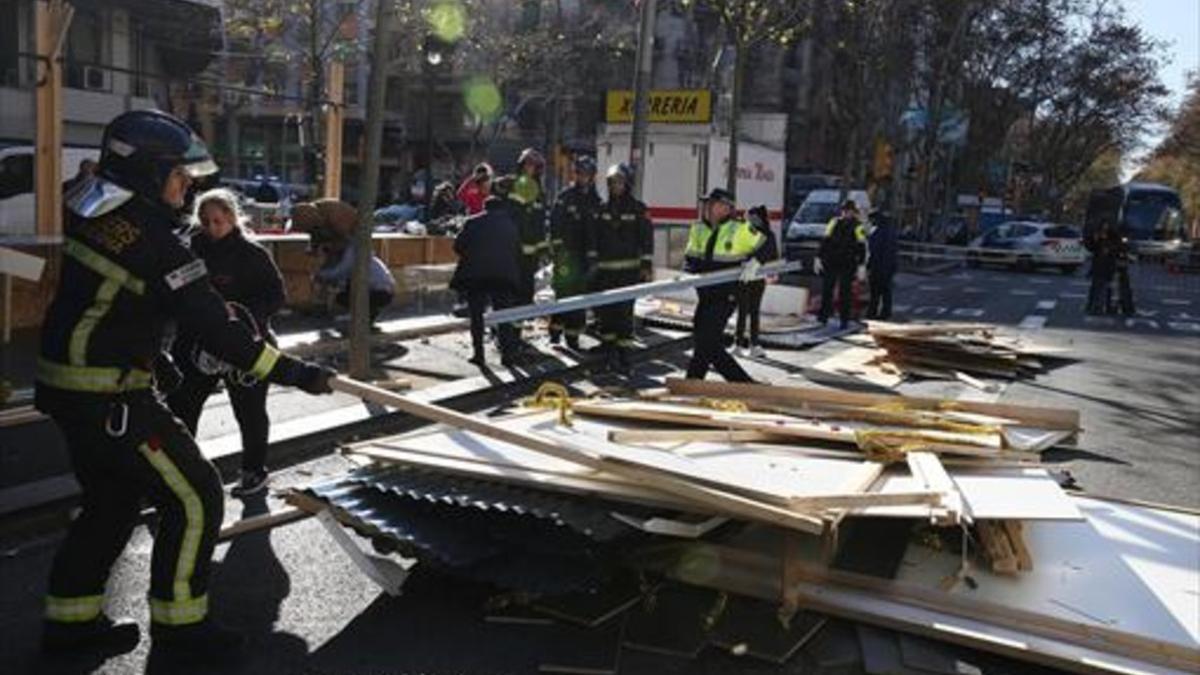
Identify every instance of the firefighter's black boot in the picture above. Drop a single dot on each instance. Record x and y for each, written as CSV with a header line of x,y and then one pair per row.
x,y
100,635
205,642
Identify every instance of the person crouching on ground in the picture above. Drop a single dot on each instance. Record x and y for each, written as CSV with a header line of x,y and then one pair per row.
x,y
381,285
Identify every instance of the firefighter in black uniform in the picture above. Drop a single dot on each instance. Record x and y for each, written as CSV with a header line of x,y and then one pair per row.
x,y
572,218
244,274
530,214
125,275
620,253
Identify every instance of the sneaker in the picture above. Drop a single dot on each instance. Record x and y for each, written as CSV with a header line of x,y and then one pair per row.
x,y
205,641
757,351
477,359
101,635
252,482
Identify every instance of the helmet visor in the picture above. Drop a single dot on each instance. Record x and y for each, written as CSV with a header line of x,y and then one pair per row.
x,y
196,161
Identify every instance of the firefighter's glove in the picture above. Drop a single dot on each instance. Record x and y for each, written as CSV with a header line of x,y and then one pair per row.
x,y
309,377
818,266
750,271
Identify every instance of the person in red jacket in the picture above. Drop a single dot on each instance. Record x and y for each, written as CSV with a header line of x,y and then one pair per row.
x,y
475,189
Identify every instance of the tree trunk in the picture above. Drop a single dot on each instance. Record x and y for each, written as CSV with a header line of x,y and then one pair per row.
x,y
735,114
360,328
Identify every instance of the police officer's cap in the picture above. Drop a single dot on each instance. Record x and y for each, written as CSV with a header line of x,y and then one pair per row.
x,y
719,195
585,164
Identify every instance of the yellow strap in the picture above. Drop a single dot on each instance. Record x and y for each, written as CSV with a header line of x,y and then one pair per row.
x,y
178,612
92,379
265,362
74,610
106,268
82,333
552,396
193,511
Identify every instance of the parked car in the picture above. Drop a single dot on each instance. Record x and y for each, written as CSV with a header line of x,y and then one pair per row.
x,y
803,234
1028,245
17,204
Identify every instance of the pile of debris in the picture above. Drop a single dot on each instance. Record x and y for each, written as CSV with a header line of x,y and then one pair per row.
x,y
947,350
741,516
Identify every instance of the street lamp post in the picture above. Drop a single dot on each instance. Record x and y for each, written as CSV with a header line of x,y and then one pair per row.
x,y
433,59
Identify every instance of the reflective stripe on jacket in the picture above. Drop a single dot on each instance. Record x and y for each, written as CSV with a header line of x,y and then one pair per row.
x,y
729,245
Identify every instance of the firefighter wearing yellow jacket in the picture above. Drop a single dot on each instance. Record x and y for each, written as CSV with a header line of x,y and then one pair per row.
x,y
718,241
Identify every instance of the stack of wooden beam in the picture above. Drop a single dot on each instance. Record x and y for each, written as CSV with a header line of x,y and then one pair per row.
x,y
950,350
794,467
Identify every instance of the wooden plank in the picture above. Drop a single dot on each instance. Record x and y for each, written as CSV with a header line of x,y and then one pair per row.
x,y
930,439
927,469
689,435
1016,538
705,498
818,585
1042,417
20,264
996,548
263,521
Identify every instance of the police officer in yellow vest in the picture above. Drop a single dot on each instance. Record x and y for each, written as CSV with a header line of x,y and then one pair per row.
x,y
842,253
715,243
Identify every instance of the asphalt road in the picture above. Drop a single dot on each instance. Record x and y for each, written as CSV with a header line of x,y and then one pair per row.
x,y
1136,380
308,610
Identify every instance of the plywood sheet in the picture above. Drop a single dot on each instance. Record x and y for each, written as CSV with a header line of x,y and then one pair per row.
x,y
1001,493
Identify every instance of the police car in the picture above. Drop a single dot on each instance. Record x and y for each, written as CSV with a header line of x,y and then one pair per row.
x,y
1029,245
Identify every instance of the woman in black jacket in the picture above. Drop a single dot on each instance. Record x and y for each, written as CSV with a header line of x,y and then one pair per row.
x,y
488,272
244,274
750,294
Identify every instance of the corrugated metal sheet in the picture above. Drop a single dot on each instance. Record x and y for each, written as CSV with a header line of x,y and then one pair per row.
x,y
515,537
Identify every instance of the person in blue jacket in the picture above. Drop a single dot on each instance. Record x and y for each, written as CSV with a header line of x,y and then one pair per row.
x,y
883,246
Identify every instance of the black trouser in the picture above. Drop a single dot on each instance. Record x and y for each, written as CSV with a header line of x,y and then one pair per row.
x,y
841,276
616,320
750,297
708,324
478,300
1104,270
376,301
529,266
249,408
880,306
153,458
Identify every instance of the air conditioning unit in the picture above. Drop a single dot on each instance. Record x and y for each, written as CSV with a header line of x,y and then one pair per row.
x,y
94,78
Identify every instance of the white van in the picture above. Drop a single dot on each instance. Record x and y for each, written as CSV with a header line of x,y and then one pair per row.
x,y
803,234
16,184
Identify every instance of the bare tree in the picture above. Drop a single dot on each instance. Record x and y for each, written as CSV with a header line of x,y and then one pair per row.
x,y
747,24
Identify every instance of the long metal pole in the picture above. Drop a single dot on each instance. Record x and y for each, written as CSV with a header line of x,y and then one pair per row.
x,y
360,328
627,293
641,93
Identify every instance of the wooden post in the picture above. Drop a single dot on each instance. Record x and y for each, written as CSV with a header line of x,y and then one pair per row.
x,y
51,20
334,118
